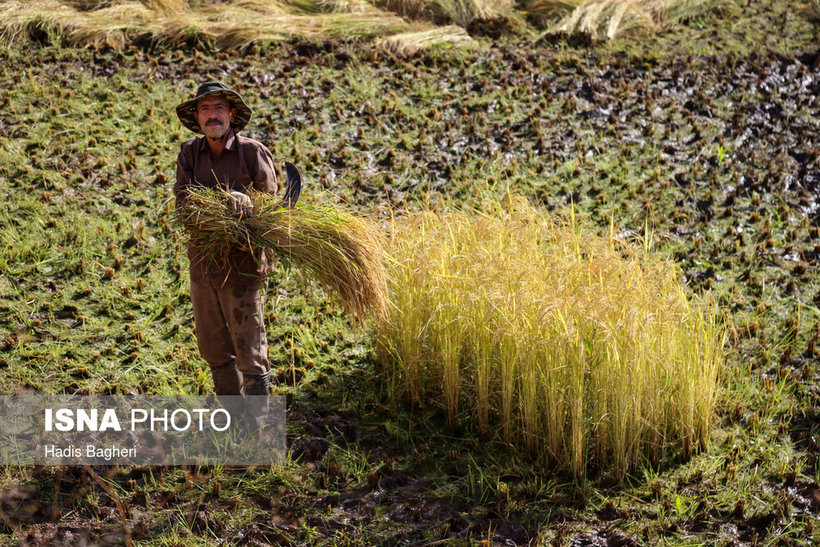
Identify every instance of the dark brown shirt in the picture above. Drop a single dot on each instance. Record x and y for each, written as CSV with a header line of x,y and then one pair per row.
x,y
243,164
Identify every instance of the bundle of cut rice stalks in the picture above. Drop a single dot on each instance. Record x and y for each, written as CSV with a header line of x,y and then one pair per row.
x,y
409,43
341,251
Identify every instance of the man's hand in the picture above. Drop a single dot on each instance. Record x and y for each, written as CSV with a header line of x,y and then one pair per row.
x,y
241,204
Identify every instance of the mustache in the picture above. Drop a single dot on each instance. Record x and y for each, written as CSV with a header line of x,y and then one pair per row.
x,y
213,120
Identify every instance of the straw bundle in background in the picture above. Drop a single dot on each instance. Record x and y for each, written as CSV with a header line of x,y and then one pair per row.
x,y
339,250
409,43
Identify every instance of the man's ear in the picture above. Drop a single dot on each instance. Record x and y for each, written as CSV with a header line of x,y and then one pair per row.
x,y
233,113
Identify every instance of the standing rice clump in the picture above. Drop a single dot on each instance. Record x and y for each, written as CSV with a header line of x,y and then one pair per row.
x,y
584,349
339,250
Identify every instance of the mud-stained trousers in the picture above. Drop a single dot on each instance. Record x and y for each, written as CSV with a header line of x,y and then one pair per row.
x,y
230,333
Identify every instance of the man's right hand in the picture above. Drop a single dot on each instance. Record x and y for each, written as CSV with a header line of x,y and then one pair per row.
x,y
241,204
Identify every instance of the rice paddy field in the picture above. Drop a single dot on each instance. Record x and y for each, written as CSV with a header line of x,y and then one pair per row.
x,y
505,147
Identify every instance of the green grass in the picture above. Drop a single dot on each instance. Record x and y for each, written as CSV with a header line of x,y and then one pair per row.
x,y
93,291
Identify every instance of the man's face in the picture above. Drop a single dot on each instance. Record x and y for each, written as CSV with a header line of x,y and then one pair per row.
x,y
214,116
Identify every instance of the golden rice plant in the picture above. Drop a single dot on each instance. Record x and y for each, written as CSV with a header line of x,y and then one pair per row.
x,y
585,350
341,251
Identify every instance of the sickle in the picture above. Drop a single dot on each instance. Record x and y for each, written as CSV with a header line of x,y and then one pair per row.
x,y
293,188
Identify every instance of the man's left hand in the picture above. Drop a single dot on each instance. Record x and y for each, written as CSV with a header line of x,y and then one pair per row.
x,y
241,204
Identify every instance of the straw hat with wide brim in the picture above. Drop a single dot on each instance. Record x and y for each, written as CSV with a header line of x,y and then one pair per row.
x,y
187,110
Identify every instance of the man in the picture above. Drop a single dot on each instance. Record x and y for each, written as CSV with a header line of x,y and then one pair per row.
x,y
228,300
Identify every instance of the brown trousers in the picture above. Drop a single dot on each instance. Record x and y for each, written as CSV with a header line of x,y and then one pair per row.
x,y
230,332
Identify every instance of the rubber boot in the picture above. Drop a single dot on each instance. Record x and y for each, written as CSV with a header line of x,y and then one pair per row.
x,y
228,388
257,389
227,379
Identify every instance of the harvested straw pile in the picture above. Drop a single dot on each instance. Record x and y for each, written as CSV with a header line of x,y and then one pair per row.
x,y
409,43
466,13
607,19
230,25
585,350
339,250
